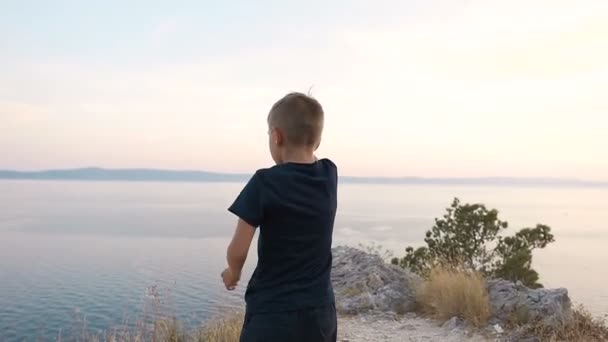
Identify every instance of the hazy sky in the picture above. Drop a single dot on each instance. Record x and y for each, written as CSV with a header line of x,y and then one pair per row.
x,y
426,88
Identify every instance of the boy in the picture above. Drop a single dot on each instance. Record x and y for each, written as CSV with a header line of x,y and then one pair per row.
x,y
289,297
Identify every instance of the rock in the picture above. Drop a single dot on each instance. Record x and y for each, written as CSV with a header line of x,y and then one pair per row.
x,y
364,282
454,324
513,302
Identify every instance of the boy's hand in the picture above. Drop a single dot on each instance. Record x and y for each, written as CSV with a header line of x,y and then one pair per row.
x,y
237,253
230,279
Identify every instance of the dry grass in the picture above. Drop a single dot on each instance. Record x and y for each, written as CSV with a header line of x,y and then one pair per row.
x,y
582,327
225,328
163,330
169,330
158,324
448,293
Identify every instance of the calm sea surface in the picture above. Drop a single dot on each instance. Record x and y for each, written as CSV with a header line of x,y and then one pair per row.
x,y
104,252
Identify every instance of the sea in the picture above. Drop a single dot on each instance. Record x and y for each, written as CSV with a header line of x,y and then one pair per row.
x,y
98,255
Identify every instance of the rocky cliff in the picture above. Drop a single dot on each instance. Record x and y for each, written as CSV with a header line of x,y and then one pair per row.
x,y
365,283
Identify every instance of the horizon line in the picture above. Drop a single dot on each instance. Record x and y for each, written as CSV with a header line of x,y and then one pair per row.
x,y
160,174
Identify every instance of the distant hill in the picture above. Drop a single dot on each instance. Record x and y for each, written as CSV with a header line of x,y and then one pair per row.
x,y
99,174
158,175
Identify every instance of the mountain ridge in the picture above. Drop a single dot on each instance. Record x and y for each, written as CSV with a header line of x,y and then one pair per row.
x,y
163,175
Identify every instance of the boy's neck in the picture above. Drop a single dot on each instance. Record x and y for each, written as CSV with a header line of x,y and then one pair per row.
x,y
299,156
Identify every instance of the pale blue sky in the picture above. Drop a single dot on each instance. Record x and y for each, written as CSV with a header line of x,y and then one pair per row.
x,y
429,88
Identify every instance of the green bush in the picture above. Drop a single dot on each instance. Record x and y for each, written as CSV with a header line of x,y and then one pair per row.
x,y
469,237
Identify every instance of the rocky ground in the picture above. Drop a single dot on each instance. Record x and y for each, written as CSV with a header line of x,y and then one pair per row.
x,y
375,302
407,328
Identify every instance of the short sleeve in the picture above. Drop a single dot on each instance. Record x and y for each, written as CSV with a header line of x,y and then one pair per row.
x,y
332,169
248,204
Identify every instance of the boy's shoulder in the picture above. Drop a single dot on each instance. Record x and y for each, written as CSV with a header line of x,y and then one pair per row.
x,y
292,167
328,162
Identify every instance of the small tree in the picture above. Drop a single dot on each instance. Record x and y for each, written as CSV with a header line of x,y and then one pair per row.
x,y
514,254
468,237
417,260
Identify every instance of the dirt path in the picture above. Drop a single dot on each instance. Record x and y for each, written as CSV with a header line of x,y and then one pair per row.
x,y
409,328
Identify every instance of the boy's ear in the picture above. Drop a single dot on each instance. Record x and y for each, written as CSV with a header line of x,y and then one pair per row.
x,y
278,137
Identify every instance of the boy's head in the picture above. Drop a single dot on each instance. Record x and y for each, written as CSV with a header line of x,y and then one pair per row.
x,y
295,125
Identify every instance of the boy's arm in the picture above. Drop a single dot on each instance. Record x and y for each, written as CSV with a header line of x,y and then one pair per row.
x,y
236,255
239,246
249,208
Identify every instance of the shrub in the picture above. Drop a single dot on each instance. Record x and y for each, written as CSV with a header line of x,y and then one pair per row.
x,y
449,292
468,237
581,327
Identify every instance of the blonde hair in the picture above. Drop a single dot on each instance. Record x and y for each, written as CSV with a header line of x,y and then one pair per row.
x,y
300,117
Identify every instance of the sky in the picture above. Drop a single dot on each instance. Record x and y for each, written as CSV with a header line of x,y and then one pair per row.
x,y
435,88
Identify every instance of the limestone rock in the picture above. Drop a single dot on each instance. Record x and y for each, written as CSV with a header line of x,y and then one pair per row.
x,y
515,302
364,282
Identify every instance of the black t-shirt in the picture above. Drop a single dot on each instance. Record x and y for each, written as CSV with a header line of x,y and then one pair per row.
x,y
295,206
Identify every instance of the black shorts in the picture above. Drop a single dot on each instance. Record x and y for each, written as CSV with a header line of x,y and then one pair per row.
x,y
308,325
